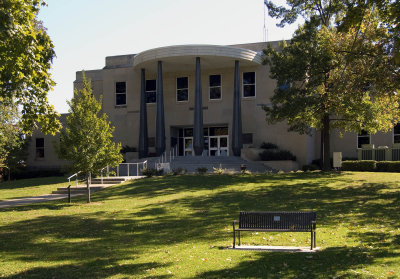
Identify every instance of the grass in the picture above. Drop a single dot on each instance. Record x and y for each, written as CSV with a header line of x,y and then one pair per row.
x,y
30,187
180,227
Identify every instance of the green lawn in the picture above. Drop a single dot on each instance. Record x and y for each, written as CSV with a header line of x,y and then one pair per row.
x,y
180,227
30,187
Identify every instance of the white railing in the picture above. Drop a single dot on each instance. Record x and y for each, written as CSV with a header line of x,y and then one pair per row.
x,y
69,178
381,153
167,158
138,166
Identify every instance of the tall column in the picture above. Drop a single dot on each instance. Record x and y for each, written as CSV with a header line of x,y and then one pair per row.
x,y
160,121
237,114
198,140
143,139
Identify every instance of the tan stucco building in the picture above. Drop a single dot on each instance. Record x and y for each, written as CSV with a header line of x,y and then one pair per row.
x,y
199,99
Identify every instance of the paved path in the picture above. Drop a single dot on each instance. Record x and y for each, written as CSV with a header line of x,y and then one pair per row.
x,y
36,199
49,197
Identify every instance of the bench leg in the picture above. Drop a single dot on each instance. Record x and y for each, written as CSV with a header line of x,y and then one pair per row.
x,y
239,237
312,239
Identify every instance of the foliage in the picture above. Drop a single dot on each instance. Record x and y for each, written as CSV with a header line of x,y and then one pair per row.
x,y
330,77
202,170
149,172
268,145
181,227
13,143
278,155
310,167
179,171
24,173
388,166
364,165
26,54
219,170
86,142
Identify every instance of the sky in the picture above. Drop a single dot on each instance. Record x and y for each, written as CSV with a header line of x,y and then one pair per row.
x,y
84,32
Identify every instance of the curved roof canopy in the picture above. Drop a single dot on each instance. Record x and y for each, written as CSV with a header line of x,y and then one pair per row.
x,y
182,58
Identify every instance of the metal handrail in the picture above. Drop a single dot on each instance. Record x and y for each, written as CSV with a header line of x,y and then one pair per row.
x,y
69,178
144,164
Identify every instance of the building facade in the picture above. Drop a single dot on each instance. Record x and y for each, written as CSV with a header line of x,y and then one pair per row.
x,y
202,100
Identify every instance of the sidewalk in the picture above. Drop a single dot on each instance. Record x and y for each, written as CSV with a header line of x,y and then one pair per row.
x,y
36,199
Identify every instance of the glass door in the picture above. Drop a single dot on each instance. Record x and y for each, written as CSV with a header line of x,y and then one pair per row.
x,y
219,146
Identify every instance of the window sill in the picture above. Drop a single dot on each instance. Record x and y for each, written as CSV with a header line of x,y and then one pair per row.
x,y
120,106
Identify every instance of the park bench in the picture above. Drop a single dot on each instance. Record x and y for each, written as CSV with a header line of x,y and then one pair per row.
x,y
274,221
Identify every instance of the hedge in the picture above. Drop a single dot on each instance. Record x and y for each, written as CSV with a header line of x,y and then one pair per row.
x,y
369,165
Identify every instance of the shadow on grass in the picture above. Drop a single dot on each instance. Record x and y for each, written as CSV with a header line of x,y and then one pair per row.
x,y
99,242
32,182
329,263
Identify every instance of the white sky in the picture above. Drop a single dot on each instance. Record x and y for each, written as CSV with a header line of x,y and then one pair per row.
x,y
84,32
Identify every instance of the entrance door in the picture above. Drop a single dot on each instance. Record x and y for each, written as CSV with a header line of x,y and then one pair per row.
x,y
219,146
188,143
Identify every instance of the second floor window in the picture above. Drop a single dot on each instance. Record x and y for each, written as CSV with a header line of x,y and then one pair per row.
x,y
249,84
151,95
120,93
215,87
182,89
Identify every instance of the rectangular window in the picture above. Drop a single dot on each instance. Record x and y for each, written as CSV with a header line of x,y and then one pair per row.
x,y
396,133
215,87
151,86
182,89
249,84
39,147
120,93
363,138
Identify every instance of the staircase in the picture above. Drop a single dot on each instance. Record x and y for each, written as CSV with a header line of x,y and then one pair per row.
x,y
95,186
230,163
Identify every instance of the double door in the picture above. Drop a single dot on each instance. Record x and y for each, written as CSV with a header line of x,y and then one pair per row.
x,y
213,146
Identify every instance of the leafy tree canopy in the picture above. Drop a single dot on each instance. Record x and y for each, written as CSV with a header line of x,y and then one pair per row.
x,y
26,54
331,77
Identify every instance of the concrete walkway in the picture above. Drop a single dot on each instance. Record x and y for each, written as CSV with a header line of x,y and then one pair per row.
x,y
52,197
36,199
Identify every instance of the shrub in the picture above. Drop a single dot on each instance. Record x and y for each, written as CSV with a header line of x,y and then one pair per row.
x,y
280,155
24,174
387,166
310,167
149,172
202,170
219,170
179,171
268,145
365,165
127,148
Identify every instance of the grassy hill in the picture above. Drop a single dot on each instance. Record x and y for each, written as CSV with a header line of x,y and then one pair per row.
x,y
181,227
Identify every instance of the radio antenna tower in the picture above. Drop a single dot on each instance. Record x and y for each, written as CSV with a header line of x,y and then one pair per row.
x,y
265,35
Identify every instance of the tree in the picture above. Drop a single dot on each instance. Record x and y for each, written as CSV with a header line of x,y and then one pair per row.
x,y
330,77
86,141
9,132
26,54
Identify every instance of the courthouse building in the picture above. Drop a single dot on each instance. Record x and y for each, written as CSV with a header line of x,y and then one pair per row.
x,y
204,100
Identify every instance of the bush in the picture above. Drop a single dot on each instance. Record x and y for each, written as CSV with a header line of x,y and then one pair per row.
x,y
310,167
387,166
280,155
202,170
219,170
268,145
25,174
179,171
365,165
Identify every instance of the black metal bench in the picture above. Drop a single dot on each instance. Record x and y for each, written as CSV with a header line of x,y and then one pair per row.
x,y
274,221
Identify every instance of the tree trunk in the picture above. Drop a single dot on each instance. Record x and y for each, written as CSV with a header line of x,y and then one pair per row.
x,y
321,150
326,164
88,187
